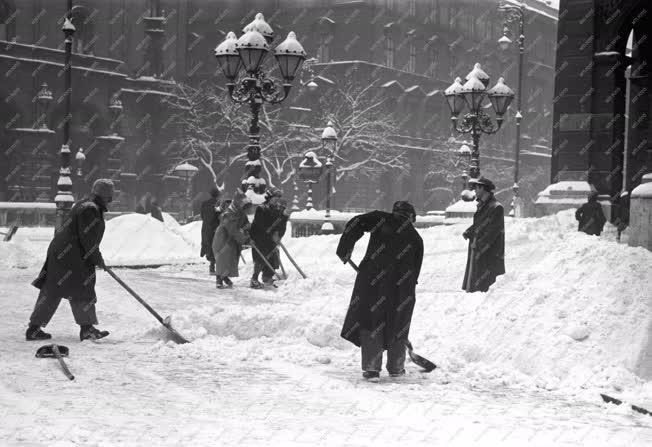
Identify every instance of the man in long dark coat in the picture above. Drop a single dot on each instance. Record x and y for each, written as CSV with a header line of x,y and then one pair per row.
x,y
210,220
590,216
486,255
380,311
267,230
69,269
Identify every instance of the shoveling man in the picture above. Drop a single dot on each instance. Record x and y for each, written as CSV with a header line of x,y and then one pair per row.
x,y
380,311
69,269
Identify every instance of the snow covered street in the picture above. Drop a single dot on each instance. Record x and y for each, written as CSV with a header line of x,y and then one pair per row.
x,y
520,365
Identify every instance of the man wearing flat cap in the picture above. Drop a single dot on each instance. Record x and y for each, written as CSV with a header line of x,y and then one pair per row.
x,y
486,255
69,269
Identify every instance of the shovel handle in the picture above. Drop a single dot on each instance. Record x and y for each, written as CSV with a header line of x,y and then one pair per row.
x,y
66,371
265,260
135,295
287,253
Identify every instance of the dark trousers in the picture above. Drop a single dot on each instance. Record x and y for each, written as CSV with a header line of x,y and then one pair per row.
x,y
45,307
268,274
371,346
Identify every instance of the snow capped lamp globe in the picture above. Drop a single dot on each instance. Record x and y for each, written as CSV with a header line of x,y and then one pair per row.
x,y
80,158
310,170
329,143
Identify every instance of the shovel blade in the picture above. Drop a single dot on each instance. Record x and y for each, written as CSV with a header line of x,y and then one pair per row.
x,y
47,351
177,337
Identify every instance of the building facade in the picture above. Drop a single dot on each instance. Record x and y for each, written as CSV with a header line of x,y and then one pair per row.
x,y
134,50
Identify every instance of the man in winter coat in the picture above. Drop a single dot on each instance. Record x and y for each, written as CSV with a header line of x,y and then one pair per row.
x,y
486,255
380,311
267,229
230,236
590,216
69,269
210,220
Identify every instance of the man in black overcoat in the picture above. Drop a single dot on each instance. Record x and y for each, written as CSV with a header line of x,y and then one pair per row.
x,y
267,230
380,311
69,269
590,216
486,254
210,220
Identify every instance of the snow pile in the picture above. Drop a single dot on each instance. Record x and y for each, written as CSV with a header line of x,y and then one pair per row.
x,y
136,239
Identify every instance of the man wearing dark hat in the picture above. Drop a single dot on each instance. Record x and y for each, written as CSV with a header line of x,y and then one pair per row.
x,y
267,230
590,216
69,269
486,255
380,311
210,220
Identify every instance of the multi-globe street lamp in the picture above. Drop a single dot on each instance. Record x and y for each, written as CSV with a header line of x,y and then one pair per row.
x,y
64,198
476,122
329,143
515,14
256,87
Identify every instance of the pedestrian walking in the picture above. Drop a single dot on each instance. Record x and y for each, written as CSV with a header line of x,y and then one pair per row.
x,y
486,253
267,230
231,234
380,311
210,220
590,217
69,269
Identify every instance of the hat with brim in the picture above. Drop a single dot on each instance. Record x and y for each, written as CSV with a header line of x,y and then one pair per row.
x,y
482,181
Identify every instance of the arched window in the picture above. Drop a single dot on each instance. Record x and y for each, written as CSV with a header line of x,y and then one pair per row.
x,y
7,20
84,38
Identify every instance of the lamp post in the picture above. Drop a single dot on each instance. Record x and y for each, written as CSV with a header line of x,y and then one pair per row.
x,y
472,94
464,153
329,143
80,158
64,198
515,14
256,87
310,170
186,171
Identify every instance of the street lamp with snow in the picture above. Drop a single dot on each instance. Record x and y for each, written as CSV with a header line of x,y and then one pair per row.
x,y
329,143
310,170
186,171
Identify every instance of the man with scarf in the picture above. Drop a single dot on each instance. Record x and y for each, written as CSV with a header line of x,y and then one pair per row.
x,y
69,269
380,311
486,254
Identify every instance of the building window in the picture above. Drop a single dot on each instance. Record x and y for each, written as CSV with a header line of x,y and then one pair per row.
x,y
412,60
389,50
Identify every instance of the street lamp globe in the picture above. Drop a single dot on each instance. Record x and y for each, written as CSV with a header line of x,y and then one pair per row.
x,y
312,85
504,42
252,48
186,170
289,55
464,151
479,74
473,91
501,97
228,57
329,138
454,97
260,26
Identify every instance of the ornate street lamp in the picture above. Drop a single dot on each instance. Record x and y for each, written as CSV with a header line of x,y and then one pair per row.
x,y
471,94
515,14
64,198
329,143
310,170
186,171
115,108
464,153
80,158
43,100
256,87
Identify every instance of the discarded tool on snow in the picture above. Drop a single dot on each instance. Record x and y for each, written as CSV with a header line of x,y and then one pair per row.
x,y
423,362
177,337
265,259
9,234
287,253
613,400
58,352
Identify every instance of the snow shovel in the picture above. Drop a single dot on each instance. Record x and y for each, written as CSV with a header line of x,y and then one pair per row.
x,y
58,352
285,275
8,235
177,337
280,244
422,362
265,260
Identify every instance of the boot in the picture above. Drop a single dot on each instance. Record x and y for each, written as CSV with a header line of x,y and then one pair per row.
x,y
255,284
35,333
227,282
371,376
218,283
89,332
211,268
397,374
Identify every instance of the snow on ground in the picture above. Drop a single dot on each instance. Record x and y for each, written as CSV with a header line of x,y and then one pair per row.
x,y
520,365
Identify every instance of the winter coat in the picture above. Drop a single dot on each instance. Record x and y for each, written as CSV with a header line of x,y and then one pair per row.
x,y
269,219
486,254
384,293
210,220
74,252
230,235
590,217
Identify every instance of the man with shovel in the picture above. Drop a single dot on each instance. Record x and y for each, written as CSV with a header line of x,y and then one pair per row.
x,y
69,269
380,311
